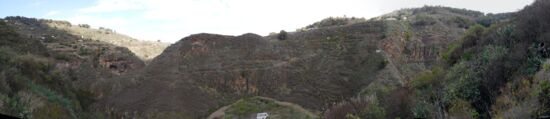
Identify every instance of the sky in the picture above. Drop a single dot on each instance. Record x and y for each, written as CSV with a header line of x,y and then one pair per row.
x,y
171,20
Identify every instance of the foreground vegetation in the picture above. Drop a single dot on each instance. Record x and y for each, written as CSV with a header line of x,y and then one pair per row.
x,y
496,70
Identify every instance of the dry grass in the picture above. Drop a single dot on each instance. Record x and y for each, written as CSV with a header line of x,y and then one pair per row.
x,y
145,50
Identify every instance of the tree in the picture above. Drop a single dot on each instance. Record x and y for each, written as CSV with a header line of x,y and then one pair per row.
x,y
282,35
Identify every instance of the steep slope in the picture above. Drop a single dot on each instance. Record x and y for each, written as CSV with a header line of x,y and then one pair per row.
x,y
315,68
31,85
88,60
50,73
145,50
493,72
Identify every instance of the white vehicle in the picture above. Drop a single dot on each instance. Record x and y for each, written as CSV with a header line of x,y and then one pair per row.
x,y
262,115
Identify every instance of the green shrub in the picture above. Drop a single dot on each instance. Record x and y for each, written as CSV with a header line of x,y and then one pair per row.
x,y
456,50
361,107
14,106
282,35
422,110
53,97
546,67
408,35
85,98
6,54
544,98
84,51
382,64
462,109
424,20
472,35
532,65
427,79
446,55
492,52
62,56
251,105
463,83
334,21
34,66
463,22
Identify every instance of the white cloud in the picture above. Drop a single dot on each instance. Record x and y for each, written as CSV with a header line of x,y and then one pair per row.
x,y
52,13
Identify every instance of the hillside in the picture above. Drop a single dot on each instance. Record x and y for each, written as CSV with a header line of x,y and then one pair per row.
x,y
145,50
429,62
314,68
50,73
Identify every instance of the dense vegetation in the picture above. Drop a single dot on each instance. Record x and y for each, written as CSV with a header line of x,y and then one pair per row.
x,y
489,72
497,69
30,85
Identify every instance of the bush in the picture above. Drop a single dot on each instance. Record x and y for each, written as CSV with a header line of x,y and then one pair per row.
x,y
422,110
382,64
544,98
457,50
14,106
462,109
34,66
6,55
282,35
463,83
447,54
63,56
362,108
546,67
492,52
427,79
408,35
84,51
424,20
463,22
334,21
473,35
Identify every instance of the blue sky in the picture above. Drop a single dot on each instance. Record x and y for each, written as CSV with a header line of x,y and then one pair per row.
x,y
171,20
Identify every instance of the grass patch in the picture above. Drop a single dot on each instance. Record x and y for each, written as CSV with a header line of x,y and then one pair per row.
x,y
251,105
546,66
